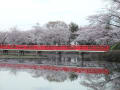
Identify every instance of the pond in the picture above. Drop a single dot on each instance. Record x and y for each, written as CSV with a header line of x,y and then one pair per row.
x,y
13,78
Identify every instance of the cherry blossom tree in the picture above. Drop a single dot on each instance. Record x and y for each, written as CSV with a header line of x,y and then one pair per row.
x,y
103,29
35,35
15,36
57,33
3,37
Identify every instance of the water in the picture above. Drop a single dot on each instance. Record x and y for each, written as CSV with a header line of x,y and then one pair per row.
x,y
12,78
26,81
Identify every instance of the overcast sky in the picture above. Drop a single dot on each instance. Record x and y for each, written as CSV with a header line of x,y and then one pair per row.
x,y
25,13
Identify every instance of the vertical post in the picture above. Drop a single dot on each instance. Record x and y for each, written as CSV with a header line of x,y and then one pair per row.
x,y
59,53
82,59
21,52
36,53
18,53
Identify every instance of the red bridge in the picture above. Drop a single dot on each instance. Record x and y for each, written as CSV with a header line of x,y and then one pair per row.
x,y
86,48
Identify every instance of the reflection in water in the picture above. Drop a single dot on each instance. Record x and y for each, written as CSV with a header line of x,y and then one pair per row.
x,y
24,81
30,79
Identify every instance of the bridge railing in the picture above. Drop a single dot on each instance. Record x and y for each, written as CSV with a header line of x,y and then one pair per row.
x,y
56,47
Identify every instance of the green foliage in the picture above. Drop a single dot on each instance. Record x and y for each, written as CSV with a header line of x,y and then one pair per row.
x,y
116,46
73,27
73,76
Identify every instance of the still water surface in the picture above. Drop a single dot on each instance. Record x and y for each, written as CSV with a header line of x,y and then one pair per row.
x,y
25,81
30,79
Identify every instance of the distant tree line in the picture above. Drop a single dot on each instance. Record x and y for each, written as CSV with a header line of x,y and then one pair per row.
x,y
53,33
103,28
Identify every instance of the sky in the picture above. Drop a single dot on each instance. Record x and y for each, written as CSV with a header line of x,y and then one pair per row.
x,y
26,13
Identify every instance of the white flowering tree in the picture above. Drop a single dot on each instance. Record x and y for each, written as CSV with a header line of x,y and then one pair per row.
x,y
103,29
35,35
15,37
3,37
57,33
